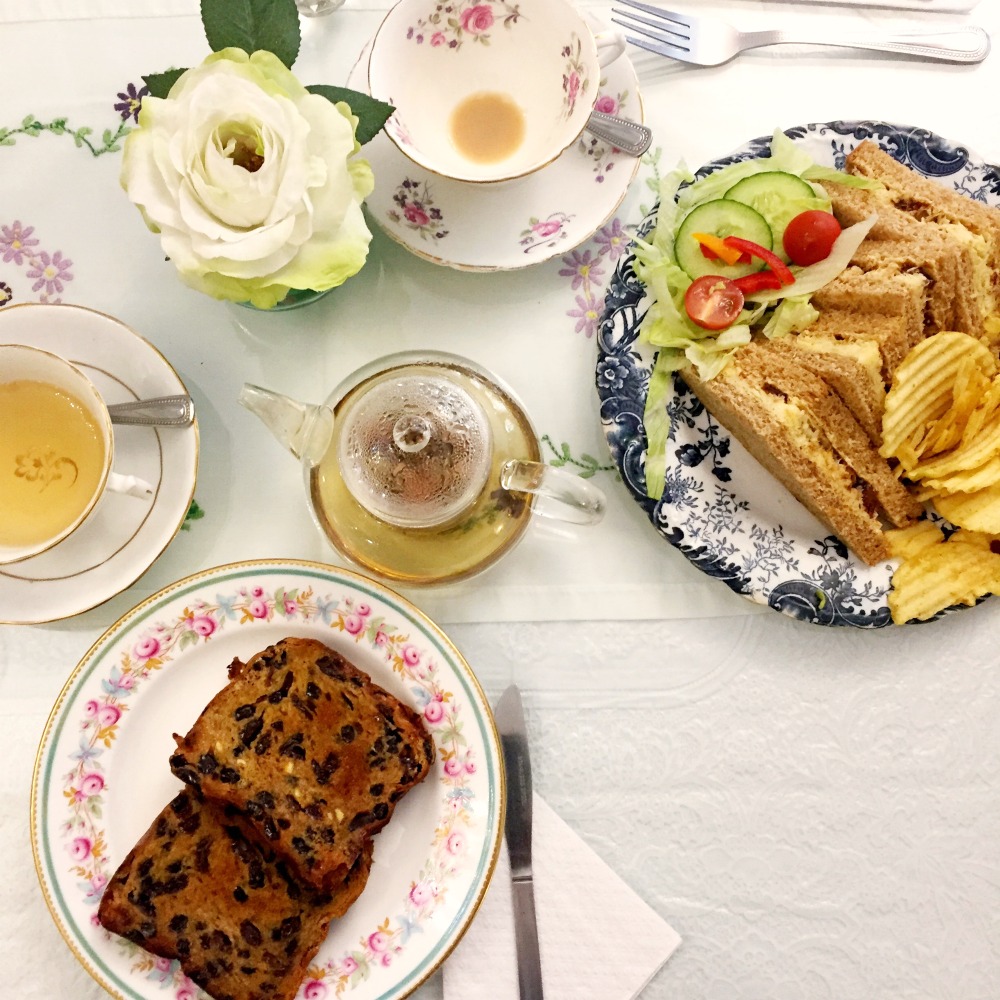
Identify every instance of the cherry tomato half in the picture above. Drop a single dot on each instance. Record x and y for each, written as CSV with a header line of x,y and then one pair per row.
x,y
713,302
810,236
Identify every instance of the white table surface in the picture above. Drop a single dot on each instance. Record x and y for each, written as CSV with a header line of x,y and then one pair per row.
x,y
814,810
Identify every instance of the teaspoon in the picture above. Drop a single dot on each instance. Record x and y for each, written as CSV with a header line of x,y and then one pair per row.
x,y
162,411
629,137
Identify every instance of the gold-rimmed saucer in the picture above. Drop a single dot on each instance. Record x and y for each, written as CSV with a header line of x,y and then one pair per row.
x,y
509,226
125,535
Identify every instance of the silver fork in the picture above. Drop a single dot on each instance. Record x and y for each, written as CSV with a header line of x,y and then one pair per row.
x,y
707,41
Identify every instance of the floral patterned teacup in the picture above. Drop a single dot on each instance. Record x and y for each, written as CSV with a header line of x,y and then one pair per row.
x,y
56,451
485,91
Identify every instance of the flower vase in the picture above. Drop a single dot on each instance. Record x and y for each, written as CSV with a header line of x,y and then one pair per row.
x,y
295,299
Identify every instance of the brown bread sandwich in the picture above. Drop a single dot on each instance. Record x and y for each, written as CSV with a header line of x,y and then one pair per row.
x,y
801,431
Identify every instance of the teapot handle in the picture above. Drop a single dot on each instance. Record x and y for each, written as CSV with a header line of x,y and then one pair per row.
x,y
573,499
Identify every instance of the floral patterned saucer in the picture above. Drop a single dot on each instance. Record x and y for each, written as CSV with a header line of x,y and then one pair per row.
x,y
504,227
125,535
727,515
101,773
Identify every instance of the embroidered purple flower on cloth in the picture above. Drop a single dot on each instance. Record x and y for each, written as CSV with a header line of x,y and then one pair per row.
x,y
585,269
612,241
16,242
582,268
49,272
586,315
130,101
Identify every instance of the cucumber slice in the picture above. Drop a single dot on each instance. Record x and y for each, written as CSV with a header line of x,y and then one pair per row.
x,y
769,182
779,197
722,217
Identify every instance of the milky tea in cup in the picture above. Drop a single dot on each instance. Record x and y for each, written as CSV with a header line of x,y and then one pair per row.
x,y
484,90
55,450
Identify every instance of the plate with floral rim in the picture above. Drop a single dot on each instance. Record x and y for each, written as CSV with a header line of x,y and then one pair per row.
x,y
516,224
101,772
720,508
125,535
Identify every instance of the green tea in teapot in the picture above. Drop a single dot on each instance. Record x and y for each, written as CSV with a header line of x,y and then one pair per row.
x,y
409,487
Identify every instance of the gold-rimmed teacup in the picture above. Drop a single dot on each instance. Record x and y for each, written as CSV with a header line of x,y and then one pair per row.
x,y
56,451
487,90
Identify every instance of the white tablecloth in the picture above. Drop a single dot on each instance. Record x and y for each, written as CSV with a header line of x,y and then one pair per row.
x,y
814,810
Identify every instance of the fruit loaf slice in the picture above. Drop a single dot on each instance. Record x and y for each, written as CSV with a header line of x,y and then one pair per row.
x,y
241,925
310,750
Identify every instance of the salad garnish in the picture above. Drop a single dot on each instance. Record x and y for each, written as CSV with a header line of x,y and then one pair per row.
x,y
738,251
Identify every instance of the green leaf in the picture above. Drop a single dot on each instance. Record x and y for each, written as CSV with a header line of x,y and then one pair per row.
x,y
252,25
160,83
372,113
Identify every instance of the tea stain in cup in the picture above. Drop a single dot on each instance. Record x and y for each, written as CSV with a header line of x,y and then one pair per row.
x,y
487,127
51,461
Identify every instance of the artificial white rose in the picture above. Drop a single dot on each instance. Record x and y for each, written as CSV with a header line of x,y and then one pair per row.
x,y
250,180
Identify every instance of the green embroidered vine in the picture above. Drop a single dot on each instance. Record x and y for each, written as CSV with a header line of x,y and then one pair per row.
x,y
32,127
652,182
195,513
586,465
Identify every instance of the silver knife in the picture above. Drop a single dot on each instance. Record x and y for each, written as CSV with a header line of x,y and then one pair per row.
x,y
517,829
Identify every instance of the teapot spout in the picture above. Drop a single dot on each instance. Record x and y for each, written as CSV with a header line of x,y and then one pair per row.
x,y
303,428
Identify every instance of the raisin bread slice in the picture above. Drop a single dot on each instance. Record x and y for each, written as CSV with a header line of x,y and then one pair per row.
x,y
310,750
241,925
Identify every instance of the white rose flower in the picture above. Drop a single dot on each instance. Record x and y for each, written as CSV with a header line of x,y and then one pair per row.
x,y
250,180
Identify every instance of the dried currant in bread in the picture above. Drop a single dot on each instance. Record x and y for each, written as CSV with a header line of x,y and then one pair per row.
x,y
310,750
235,916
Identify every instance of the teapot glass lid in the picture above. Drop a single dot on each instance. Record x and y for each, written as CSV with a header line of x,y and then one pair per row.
x,y
414,447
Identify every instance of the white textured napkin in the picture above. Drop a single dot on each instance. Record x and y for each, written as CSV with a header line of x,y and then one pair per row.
x,y
584,911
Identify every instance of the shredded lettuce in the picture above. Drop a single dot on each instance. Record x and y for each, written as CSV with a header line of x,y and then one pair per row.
x,y
819,173
791,313
656,420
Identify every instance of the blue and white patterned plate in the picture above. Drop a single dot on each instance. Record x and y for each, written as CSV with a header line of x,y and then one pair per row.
x,y
728,516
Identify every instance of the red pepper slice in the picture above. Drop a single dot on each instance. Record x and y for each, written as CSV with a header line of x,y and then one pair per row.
x,y
757,282
773,261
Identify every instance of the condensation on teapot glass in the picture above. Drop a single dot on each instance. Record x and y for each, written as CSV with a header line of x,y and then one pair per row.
x,y
414,449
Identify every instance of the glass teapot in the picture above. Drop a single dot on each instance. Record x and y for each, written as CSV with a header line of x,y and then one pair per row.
x,y
422,467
